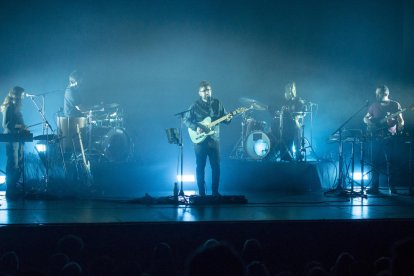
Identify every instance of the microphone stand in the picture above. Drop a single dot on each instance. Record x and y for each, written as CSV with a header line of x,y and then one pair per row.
x,y
181,145
45,131
340,190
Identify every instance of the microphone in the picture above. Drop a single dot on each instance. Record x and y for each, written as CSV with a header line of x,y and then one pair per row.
x,y
29,95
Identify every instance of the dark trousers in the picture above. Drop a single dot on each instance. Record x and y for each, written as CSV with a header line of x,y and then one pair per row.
x,y
290,136
383,160
14,167
211,149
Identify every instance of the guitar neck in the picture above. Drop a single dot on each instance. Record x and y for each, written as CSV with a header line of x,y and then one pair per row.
x,y
219,120
81,146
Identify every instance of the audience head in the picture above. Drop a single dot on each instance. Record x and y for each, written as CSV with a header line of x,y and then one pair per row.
x,y
402,261
217,260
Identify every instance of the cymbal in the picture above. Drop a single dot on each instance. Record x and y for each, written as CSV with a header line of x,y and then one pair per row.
x,y
259,106
112,105
256,105
46,137
303,113
93,110
246,100
101,107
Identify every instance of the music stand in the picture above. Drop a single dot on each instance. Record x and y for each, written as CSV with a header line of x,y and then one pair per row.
x,y
175,136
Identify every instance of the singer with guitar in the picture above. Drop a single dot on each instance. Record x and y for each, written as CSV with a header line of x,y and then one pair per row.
x,y
206,137
13,123
383,119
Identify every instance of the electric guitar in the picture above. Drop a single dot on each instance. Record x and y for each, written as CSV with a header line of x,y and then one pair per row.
x,y
380,125
86,163
206,125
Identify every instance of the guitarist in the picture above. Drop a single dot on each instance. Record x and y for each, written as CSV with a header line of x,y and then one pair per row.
x,y
206,106
377,112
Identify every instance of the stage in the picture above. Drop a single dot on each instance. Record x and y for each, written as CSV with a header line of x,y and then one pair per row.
x,y
291,209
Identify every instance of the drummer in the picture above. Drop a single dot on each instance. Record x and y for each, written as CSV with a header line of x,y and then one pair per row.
x,y
291,120
73,98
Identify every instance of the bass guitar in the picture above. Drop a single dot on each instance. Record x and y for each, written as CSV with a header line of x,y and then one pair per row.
x,y
206,125
86,163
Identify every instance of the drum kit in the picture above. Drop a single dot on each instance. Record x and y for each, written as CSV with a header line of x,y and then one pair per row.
x,y
258,139
103,132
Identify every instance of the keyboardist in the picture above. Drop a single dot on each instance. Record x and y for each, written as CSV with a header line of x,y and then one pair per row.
x,y
13,123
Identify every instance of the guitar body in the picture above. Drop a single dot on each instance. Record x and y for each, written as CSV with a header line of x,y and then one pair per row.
x,y
206,124
381,126
200,137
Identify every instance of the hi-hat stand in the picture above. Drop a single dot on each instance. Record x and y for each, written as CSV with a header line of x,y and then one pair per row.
x,y
340,189
238,151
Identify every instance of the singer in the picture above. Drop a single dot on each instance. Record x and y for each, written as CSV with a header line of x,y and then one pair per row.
x,y
13,123
206,107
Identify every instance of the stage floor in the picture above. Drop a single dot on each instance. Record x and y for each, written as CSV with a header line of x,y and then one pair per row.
x,y
266,207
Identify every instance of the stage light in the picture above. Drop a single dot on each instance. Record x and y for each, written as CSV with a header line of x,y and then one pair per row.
x,y
2,179
357,176
41,148
186,178
190,192
261,147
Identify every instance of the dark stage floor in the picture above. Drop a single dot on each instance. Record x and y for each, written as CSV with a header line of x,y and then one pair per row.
x,y
269,206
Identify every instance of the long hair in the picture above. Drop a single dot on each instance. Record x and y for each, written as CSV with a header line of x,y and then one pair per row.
x,y
14,97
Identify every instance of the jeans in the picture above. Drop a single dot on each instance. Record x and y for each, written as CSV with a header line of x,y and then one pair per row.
x,y
208,148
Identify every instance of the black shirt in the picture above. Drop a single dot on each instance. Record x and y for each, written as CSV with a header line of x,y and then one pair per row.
x,y
200,110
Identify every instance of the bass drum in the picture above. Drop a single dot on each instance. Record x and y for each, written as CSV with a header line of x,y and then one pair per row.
x,y
257,145
116,145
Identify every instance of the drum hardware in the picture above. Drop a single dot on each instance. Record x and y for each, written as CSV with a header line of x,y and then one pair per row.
x,y
254,142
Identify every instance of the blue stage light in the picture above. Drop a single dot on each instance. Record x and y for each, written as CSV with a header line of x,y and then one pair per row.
x,y
41,147
186,178
358,176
